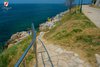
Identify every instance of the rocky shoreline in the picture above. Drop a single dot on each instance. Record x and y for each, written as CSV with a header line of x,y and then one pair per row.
x,y
17,37
51,22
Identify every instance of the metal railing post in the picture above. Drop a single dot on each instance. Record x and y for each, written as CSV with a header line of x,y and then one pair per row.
x,y
35,49
21,59
47,53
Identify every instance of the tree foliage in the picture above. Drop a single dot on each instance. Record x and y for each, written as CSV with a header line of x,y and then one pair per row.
x,y
94,1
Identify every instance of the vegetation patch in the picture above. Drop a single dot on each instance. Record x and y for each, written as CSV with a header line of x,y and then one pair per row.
x,y
90,39
9,57
77,33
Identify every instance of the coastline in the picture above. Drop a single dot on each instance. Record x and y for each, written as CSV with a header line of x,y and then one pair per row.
x,y
19,36
52,21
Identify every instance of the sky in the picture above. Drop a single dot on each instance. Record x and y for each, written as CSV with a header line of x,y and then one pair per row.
x,y
34,1
38,1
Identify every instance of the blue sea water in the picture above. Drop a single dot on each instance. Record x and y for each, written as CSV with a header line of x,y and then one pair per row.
x,y
21,16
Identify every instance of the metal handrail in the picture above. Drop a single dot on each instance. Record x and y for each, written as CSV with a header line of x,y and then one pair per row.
x,y
28,48
47,52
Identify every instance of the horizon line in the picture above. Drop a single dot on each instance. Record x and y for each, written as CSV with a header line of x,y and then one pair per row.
x,y
34,3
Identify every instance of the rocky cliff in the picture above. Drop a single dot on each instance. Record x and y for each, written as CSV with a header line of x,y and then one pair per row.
x,y
16,38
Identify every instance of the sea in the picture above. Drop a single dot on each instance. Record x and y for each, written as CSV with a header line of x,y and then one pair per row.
x,y
19,17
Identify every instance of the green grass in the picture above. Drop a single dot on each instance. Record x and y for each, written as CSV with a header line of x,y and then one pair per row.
x,y
10,56
77,33
90,39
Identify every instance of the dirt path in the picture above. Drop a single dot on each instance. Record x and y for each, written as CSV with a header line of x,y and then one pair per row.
x,y
59,56
93,14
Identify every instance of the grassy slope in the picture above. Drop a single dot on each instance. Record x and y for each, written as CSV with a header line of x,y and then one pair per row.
x,y
76,32
10,56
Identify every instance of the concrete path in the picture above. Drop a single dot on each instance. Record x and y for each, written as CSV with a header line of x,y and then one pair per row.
x,y
93,14
59,56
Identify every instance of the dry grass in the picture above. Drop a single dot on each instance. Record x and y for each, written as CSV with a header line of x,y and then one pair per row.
x,y
77,33
9,57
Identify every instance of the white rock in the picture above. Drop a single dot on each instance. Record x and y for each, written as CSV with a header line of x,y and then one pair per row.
x,y
98,59
59,50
